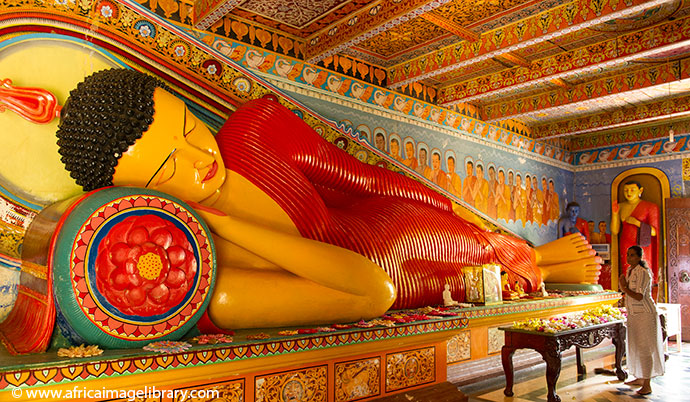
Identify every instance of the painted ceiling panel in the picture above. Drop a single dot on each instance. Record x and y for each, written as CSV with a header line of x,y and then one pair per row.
x,y
517,58
414,33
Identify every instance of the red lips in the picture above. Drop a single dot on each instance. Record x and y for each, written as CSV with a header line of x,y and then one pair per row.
x,y
211,172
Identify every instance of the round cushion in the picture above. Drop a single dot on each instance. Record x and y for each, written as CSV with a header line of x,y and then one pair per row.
x,y
131,266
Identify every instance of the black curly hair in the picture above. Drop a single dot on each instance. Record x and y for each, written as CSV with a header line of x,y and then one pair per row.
x,y
101,119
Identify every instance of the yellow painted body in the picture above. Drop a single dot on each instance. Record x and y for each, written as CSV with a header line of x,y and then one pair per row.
x,y
269,275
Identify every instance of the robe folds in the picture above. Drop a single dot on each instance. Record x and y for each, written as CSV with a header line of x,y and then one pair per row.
x,y
645,212
398,223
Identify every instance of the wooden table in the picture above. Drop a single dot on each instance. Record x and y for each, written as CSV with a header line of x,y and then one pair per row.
x,y
550,346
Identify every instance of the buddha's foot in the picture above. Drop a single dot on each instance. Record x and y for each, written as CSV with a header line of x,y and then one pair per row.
x,y
566,249
584,270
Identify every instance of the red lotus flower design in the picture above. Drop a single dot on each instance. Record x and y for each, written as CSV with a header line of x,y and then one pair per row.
x,y
145,266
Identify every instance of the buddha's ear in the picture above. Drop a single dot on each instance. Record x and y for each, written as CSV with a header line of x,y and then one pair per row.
x,y
641,190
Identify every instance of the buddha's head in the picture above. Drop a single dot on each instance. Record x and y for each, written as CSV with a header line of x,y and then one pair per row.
x,y
121,127
572,210
632,191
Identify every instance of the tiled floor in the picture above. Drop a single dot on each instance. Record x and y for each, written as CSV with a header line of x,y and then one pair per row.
x,y
674,386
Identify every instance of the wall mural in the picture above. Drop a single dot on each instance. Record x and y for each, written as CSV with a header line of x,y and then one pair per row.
x,y
486,179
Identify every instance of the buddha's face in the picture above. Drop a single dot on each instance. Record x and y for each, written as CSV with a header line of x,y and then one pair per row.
x,y
573,212
451,165
631,192
178,155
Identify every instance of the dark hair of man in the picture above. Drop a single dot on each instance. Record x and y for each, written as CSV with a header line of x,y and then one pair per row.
x,y
572,204
394,141
101,119
451,158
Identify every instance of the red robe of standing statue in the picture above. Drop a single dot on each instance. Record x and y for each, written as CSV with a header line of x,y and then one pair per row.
x,y
398,223
646,212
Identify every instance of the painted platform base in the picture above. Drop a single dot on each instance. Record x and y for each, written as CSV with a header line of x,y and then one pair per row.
x,y
347,365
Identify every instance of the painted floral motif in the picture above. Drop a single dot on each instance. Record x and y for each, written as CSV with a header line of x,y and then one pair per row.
x,y
167,347
106,11
145,266
180,51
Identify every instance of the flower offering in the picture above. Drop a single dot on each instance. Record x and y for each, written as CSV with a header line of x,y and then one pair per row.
x,y
597,315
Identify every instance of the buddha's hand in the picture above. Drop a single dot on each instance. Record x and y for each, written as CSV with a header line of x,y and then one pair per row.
x,y
614,207
633,221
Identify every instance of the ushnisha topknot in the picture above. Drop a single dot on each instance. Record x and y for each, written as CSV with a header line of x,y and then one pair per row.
x,y
101,119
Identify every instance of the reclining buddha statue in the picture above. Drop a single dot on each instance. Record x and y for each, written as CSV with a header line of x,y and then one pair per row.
x,y
304,232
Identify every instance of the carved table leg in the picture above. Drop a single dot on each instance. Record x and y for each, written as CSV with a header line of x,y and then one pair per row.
x,y
507,360
552,356
581,368
618,341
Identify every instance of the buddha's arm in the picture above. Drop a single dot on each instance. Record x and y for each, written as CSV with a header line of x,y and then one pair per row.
x,y
615,218
327,265
296,144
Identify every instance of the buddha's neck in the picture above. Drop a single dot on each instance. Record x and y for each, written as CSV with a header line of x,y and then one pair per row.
x,y
219,198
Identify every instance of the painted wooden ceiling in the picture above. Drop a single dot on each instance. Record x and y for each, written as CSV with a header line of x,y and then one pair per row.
x,y
560,68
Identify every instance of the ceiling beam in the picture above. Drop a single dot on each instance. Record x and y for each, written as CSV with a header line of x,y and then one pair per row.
x,y
451,26
570,96
514,59
371,21
662,111
614,52
548,25
208,12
